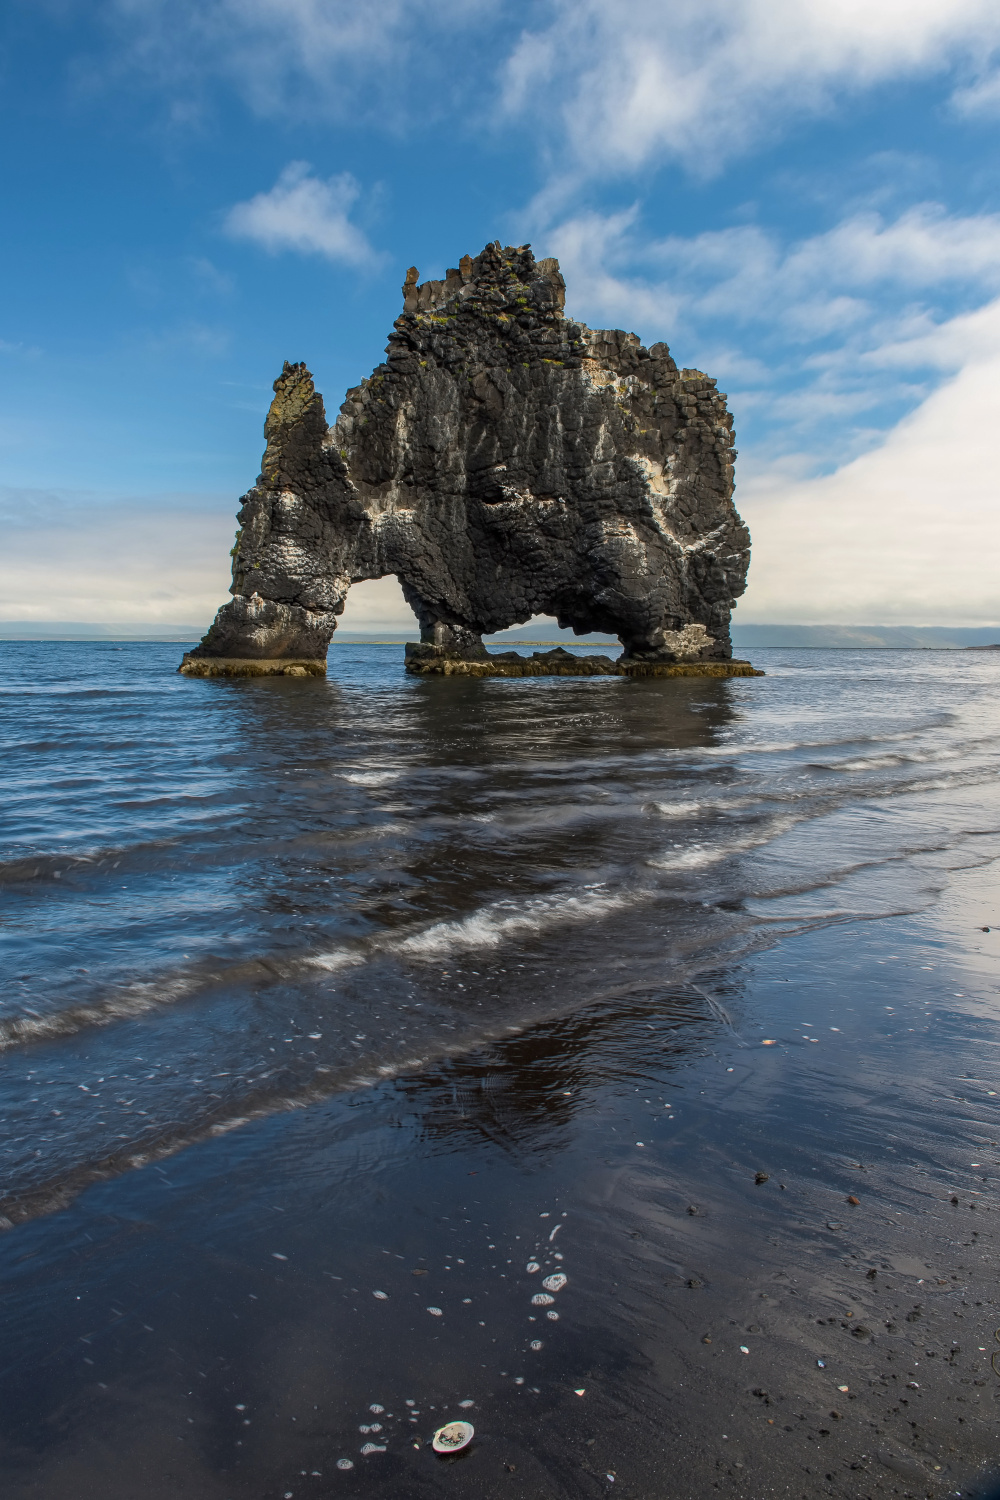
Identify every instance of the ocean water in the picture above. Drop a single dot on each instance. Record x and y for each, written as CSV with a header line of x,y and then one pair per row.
x,y
320,997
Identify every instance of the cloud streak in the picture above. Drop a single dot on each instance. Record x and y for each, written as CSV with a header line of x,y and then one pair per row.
x,y
638,81
292,57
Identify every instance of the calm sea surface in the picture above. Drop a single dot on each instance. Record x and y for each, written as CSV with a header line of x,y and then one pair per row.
x,y
331,1008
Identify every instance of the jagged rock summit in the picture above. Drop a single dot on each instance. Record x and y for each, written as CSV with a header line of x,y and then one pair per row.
x,y
505,461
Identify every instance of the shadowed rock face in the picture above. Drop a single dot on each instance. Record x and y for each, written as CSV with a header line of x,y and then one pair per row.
x,y
504,461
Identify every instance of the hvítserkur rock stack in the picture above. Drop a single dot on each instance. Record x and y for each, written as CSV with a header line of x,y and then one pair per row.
x,y
505,461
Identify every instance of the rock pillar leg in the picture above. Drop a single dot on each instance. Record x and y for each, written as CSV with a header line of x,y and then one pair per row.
x,y
255,637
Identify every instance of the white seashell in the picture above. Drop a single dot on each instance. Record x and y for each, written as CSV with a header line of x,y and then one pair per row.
x,y
532,1267
452,1436
553,1315
536,1343
468,1402
376,1408
364,1428
375,1427
382,1296
541,1299
373,1448
345,1463
435,1312
555,1282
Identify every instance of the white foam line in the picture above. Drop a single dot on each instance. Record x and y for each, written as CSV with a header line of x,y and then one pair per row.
x,y
339,958
493,925
370,778
698,856
717,804
488,927
135,1002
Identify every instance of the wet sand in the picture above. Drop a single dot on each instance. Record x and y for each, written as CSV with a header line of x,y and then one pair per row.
x,y
209,1326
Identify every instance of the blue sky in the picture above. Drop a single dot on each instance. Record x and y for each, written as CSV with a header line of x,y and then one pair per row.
x,y
801,198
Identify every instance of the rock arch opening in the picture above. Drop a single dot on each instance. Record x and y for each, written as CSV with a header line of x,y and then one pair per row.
x,y
377,606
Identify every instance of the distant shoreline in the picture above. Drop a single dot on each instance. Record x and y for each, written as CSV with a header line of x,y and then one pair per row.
x,y
747,639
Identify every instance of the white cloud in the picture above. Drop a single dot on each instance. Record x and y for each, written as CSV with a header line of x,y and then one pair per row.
x,y
638,80
156,559
906,534
979,98
970,338
303,213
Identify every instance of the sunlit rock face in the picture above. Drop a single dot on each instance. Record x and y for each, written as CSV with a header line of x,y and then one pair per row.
x,y
505,461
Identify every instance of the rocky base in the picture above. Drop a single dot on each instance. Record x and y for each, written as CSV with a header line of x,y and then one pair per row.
x,y
688,669
423,661
243,666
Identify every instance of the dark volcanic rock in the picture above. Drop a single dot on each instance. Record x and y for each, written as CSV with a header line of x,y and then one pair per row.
x,y
504,461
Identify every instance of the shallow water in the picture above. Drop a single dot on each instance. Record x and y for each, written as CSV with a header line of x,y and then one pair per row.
x,y
470,932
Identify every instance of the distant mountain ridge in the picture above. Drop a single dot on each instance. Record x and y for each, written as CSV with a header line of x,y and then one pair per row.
x,y
865,637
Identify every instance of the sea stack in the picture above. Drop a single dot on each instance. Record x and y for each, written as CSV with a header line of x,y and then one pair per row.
x,y
505,461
